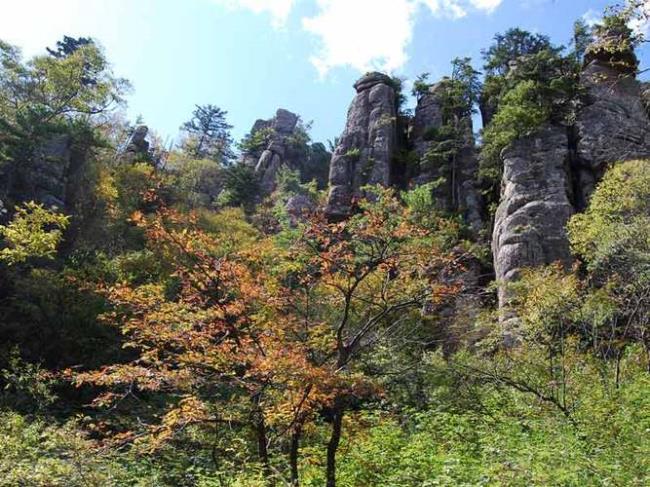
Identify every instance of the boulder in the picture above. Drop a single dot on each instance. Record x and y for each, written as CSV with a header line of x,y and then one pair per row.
x,y
299,207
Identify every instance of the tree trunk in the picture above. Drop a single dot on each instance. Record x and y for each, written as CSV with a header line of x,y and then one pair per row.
x,y
293,455
333,444
262,450
259,426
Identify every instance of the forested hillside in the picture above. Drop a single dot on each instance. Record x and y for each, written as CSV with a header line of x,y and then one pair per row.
x,y
416,303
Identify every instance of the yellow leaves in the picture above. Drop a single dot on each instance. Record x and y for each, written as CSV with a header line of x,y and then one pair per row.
x,y
106,190
189,411
33,232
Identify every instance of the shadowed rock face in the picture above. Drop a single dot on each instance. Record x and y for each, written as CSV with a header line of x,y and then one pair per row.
x,y
51,164
529,227
612,127
457,190
50,174
137,147
367,146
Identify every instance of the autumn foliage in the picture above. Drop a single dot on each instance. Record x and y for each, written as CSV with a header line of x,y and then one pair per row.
x,y
265,343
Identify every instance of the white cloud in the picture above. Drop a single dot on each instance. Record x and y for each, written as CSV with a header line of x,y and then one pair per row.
x,y
368,34
592,18
279,10
362,34
486,5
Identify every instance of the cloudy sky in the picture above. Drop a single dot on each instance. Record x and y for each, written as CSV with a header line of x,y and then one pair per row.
x,y
253,56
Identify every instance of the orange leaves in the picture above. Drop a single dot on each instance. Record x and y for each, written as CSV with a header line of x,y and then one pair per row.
x,y
274,328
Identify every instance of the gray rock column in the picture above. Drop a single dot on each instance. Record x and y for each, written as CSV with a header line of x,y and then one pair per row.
x,y
367,146
613,125
529,227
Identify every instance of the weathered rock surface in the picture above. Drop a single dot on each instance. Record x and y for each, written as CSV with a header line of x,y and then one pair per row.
x,y
299,207
137,148
613,125
550,175
456,186
529,227
285,145
274,156
50,168
49,174
427,118
367,146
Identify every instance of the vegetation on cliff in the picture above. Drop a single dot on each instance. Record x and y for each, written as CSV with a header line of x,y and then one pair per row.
x,y
167,322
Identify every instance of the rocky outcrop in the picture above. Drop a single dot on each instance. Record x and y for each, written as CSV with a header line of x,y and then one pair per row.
x,y
455,176
50,169
137,148
49,174
613,125
282,142
366,148
551,174
529,227
299,207
274,154
426,121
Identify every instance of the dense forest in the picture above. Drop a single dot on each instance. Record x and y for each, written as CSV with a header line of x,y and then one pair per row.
x,y
412,304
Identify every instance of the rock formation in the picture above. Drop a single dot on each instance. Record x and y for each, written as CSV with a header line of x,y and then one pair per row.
x,y
427,118
456,186
366,148
137,148
613,125
283,143
529,227
49,174
50,168
551,174
275,154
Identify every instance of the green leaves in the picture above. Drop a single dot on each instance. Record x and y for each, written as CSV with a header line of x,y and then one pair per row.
x,y
34,232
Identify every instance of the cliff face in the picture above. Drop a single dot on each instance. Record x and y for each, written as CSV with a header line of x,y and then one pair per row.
x,y
368,148
529,227
547,176
365,151
48,174
612,126
551,174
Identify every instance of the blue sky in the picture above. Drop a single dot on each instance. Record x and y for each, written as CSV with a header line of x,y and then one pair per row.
x,y
252,56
